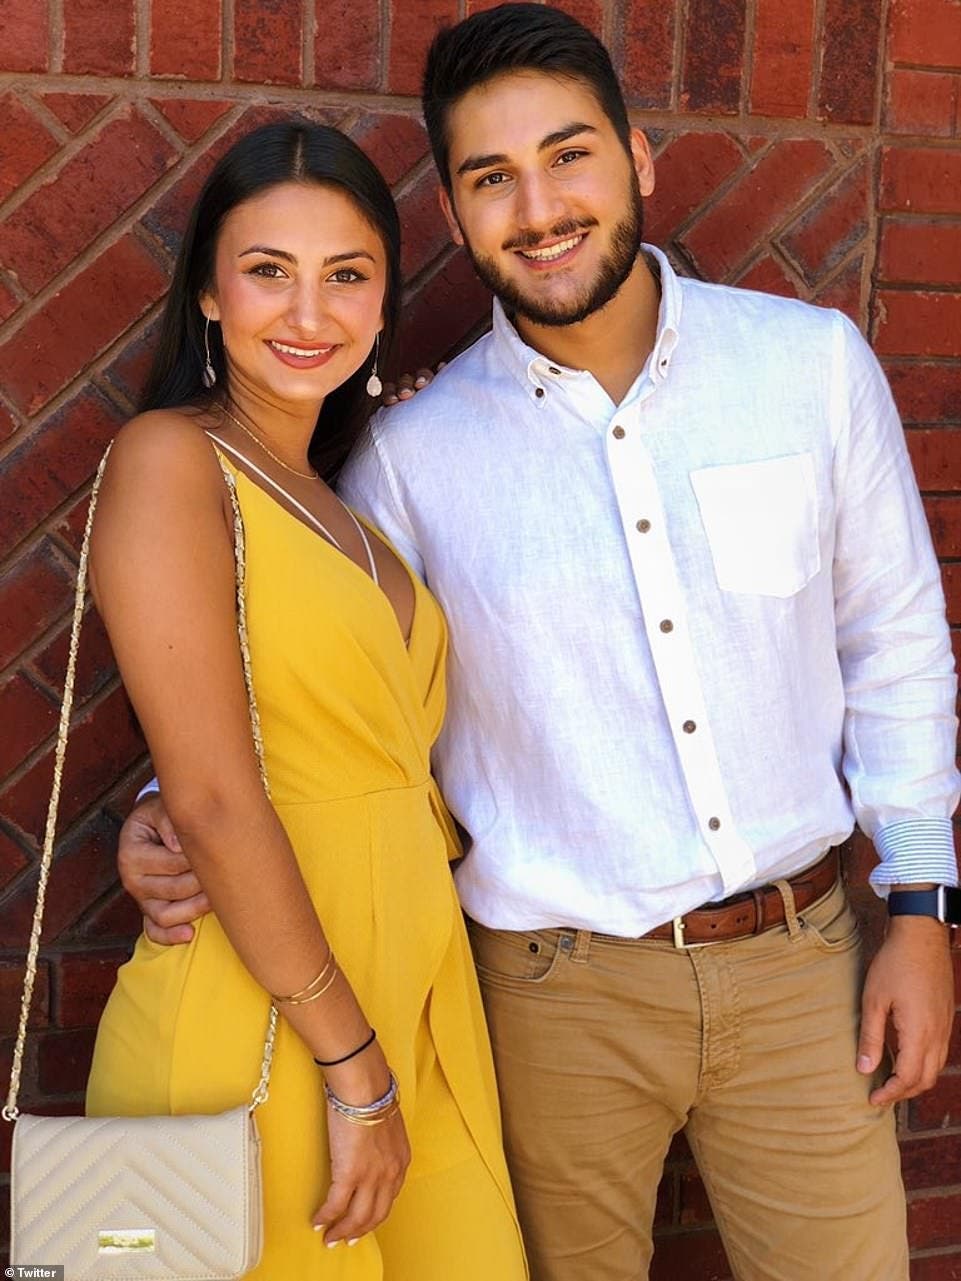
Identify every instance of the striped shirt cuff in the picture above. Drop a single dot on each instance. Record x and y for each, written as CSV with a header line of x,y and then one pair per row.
x,y
916,849
148,789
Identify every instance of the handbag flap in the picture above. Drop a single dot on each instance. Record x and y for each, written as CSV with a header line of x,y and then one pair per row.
x,y
152,1198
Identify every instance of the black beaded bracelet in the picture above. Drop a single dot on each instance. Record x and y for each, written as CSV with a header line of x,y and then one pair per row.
x,y
352,1055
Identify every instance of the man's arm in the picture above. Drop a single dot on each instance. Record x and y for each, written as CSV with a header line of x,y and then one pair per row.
x,y
900,729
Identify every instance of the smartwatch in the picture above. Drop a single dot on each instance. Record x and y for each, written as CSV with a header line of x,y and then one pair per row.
x,y
943,903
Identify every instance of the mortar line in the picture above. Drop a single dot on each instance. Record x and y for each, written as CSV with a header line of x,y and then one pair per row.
x,y
57,35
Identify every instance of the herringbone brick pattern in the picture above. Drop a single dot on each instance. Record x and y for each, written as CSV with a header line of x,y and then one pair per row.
x,y
808,147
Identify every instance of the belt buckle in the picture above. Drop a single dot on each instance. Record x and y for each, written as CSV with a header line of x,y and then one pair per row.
x,y
678,927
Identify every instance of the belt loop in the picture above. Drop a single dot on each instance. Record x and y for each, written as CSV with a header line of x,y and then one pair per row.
x,y
790,910
581,951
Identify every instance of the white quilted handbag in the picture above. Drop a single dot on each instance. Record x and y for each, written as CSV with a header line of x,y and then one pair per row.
x,y
153,1198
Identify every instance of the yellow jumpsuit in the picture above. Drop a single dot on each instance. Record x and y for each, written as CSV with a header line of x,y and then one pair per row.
x,y
348,716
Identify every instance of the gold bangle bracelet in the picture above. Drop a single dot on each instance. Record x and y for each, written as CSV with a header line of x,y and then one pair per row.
x,y
295,996
305,1000
371,1120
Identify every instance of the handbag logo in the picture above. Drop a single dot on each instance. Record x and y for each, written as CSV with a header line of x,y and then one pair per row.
x,y
127,1241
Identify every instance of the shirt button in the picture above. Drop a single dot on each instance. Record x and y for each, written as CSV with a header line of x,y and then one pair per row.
x,y
714,824
643,526
666,625
689,727
538,392
552,369
618,433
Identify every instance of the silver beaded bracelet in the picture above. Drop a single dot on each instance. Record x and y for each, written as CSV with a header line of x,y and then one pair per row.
x,y
364,1111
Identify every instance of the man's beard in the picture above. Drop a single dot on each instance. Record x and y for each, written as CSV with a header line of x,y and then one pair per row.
x,y
614,269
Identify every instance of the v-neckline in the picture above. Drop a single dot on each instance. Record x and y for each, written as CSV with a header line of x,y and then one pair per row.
x,y
342,555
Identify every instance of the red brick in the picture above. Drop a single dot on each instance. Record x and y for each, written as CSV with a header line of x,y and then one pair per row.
x,y
99,37
931,1162
268,41
192,117
648,65
590,13
751,209
76,110
936,1267
936,1110
128,372
846,291
24,35
944,517
783,51
185,38
13,859
117,919
920,253
936,455
413,26
8,424
689,1255
829,229
925,31
53,463
33,592
926,393
713,56
9,302
690,170
445,311
24,144
11,992
89,193
394,143
95,661
917,324
922,102
951,578
935,1221
770,277
104,741
74,326
63,1061
850,61
425,230
920,180
84,869
695,1207
83,985
28,716
347,45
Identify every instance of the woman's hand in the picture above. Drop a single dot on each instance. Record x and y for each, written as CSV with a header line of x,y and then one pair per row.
x,y
367,1165
408,384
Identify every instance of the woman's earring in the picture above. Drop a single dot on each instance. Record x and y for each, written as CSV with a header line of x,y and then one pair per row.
x,y
209,374
374,385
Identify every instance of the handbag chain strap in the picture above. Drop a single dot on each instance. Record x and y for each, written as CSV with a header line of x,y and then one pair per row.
x,y
10,1111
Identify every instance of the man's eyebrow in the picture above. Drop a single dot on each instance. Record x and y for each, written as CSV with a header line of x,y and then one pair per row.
x,y
571,130
289,257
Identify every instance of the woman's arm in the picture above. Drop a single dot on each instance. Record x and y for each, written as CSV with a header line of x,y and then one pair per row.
x,y
162,574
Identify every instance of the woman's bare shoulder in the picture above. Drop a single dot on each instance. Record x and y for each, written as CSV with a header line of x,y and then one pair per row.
x,y
166,446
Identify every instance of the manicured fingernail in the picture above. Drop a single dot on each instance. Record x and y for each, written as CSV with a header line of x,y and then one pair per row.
x,y
332,1245
420,382
319,1227
352,1240
864,1063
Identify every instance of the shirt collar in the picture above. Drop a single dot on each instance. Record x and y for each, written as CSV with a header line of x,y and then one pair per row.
x,y
534,371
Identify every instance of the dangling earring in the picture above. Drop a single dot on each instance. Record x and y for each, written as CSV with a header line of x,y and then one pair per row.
x,y
209,374
374,385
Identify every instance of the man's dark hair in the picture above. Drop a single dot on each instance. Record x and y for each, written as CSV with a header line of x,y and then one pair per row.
x,y
514,37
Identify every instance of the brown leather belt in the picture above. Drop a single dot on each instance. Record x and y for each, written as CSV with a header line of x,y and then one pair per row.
x,y
752,912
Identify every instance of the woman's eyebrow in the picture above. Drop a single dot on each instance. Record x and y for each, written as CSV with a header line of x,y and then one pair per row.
x,y
288,257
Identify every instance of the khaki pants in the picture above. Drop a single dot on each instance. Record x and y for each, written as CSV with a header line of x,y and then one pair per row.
x,y
607,1047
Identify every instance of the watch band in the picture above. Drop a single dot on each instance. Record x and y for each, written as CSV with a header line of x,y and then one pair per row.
x,y
943,903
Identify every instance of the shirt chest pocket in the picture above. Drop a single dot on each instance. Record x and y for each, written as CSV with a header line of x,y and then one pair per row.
x,y
761,522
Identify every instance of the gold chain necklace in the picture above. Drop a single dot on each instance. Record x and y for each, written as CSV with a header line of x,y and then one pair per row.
x,y
304,475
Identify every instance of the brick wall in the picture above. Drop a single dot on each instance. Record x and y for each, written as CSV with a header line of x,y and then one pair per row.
x,y
809,147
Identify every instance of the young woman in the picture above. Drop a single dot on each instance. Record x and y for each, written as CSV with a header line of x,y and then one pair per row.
x,y
333,895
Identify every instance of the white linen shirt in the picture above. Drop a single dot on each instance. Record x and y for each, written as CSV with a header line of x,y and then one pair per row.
x,y
694,636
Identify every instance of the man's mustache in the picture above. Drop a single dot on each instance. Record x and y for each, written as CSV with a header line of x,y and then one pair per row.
x,y
531,239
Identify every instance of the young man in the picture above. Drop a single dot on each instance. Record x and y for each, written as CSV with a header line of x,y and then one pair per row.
x,y
697,631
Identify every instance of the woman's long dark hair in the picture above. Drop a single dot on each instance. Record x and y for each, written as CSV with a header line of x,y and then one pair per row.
x,y
294,151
